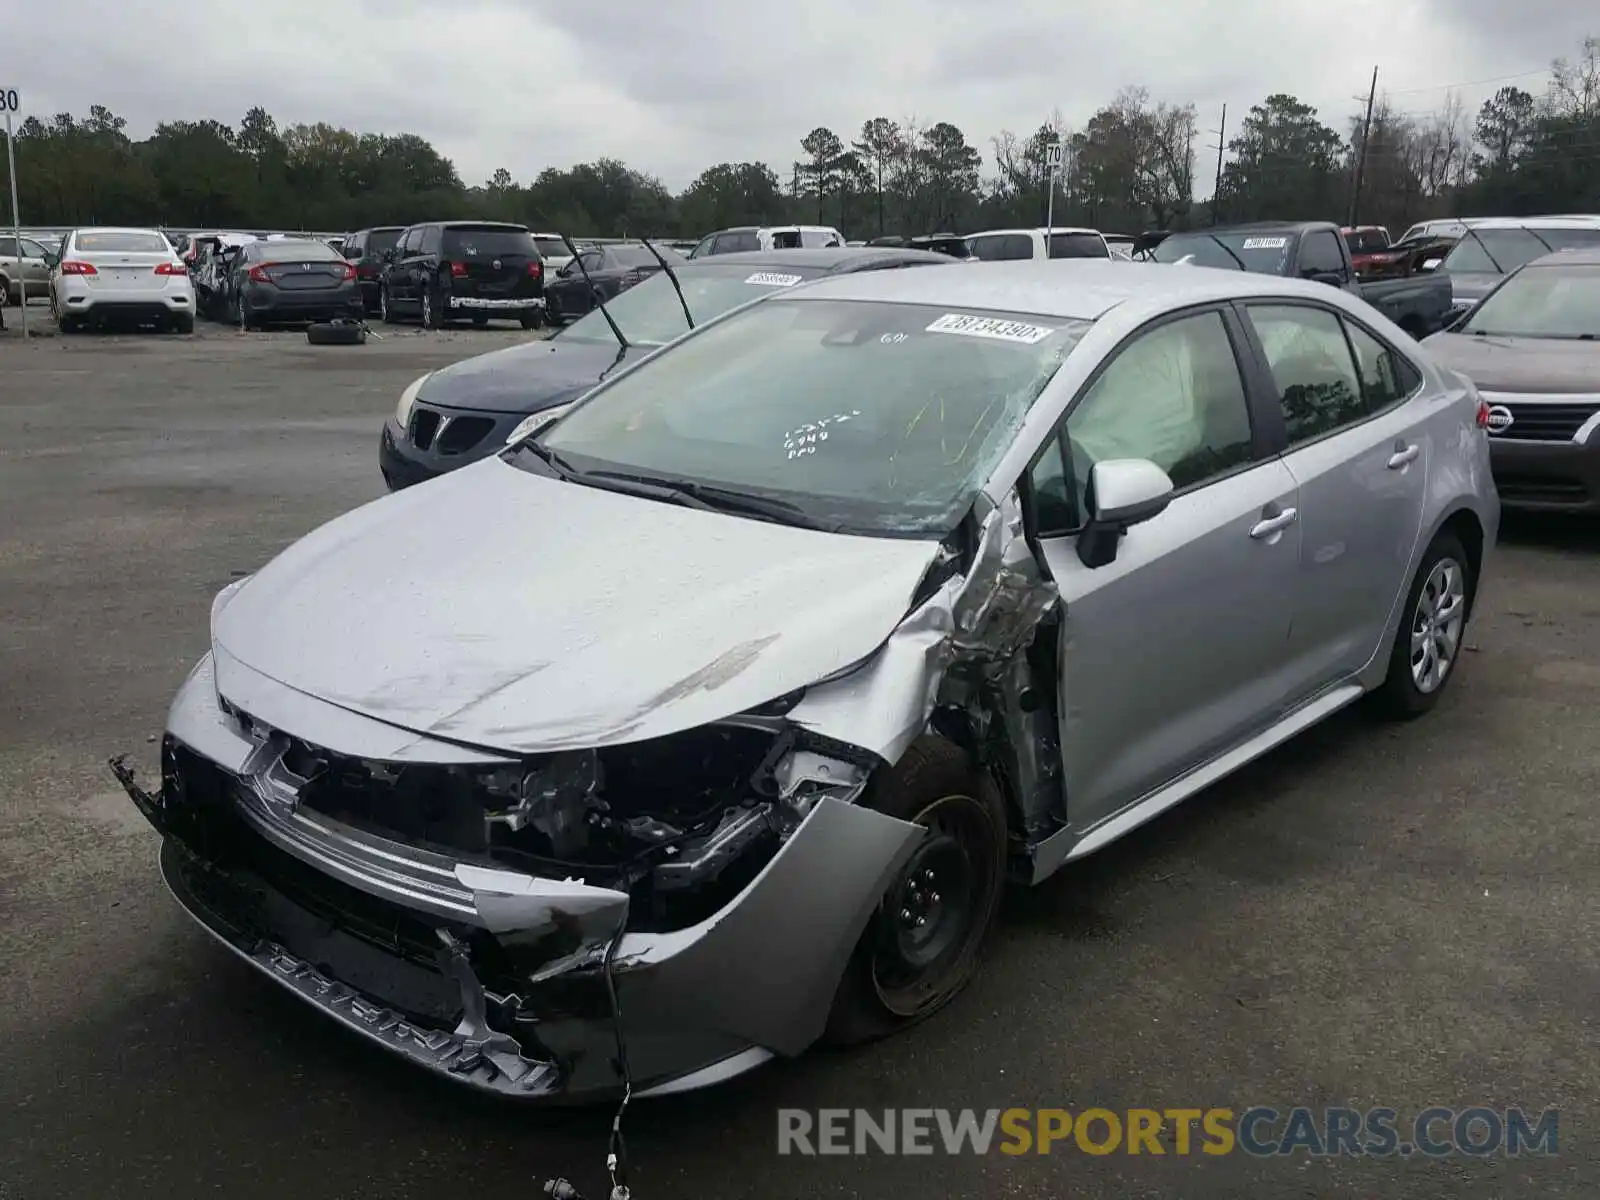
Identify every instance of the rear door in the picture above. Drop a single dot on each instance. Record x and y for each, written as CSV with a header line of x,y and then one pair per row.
x,y
1356,444
1173,652
495,261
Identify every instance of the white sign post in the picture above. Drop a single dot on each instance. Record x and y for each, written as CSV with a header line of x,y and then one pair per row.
x,y
1052,162
11,103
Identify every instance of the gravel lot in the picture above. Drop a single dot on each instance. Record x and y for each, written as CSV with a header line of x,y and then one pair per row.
x,y
1373,916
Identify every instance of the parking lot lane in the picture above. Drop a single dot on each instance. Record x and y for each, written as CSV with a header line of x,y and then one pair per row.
x,y
1375,915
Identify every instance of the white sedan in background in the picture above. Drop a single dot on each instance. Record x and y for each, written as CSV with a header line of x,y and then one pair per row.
x,y
130,274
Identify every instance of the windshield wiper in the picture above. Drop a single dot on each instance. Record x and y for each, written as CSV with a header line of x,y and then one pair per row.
x,y
673,276
1226,250
720,499
594,292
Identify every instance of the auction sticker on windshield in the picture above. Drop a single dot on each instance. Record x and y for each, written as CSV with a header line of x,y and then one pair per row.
x,y
990,327
1269,243
769,279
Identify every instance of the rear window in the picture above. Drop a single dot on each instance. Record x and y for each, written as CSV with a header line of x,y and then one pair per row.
x,y
631,256
297,251
551,247
380,240
1366,241
487,241
1078,245
1001,247
118,242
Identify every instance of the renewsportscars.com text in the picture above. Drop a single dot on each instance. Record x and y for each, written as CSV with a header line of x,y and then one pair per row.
x,y
1259,1131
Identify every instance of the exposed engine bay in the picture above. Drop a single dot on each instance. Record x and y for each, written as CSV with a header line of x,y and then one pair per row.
x,y
681,823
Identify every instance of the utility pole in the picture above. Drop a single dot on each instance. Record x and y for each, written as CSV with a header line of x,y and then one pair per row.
x,y
1222,142
1361,156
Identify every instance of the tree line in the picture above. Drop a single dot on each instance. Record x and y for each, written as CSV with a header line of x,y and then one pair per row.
x,y
1133,165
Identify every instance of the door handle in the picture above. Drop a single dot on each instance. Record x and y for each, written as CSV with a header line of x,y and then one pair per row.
x,y
1401,458
1268,526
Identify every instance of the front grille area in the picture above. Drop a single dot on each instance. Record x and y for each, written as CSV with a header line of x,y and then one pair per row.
x,y
1539,489
1545,422
424,424
463,433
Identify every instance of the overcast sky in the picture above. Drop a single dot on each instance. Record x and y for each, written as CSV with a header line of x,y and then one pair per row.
x,y
671,88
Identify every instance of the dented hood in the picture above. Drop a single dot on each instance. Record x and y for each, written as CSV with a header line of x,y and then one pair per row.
x,y
520,613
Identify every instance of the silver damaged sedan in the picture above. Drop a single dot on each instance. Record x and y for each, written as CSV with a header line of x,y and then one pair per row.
x,y
709,719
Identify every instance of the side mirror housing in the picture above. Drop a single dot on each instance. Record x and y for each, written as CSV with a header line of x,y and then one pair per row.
x,y
1122,493
1332,278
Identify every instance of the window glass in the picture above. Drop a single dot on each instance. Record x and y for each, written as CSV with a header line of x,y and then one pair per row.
x,y
739,242
1173,396
878,417
1561,300
1386,377
1321,253
115,241
1078,245
1312,368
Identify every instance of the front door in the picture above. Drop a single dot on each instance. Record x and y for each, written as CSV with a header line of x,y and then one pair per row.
x,y
1172,652
1357,448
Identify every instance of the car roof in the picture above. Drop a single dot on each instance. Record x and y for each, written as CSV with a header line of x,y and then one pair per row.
x,y
831,258
1578,256
1034,229
1072,289
1488,224
115,229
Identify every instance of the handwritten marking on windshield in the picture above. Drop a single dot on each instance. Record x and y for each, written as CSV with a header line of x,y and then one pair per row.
x,y
990,327
772,279
806,438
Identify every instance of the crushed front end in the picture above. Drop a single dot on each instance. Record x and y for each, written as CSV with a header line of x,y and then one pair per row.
x,y
489,918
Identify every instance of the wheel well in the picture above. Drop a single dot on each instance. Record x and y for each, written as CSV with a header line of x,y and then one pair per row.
x,y
1464,524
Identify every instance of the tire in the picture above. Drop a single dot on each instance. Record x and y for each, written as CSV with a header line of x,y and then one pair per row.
x,y
1407,690
480,320
898,976
532,318
248,320
182,323
432,308
336,333
385,313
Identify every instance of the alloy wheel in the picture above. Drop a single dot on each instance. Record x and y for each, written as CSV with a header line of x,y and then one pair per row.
x,y
1436,625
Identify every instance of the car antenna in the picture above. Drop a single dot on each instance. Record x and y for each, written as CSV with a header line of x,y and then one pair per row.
x,y
622,342
672,275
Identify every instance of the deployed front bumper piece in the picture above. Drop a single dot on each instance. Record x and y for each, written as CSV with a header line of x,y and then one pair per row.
x,y
489,975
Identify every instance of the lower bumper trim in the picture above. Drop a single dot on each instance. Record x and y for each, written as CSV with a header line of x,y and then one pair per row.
x,y
483,1063
508,305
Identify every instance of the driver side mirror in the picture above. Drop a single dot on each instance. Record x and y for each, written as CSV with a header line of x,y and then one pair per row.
x,y
1122,493
1331,278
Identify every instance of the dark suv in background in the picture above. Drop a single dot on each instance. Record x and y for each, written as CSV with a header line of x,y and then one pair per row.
x,y
445,271
365,248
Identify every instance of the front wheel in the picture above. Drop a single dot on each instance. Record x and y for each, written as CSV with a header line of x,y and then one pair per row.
x,y
1428,643
925,941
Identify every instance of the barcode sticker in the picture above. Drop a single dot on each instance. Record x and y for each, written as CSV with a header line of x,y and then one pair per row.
x,y
990,327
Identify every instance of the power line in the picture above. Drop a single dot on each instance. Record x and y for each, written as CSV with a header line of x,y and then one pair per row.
x,y
1450,87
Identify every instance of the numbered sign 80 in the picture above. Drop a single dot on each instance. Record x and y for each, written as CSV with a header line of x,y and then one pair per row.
x,y
10,102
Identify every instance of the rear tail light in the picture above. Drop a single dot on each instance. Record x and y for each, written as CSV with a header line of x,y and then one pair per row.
x,y
259,275
535,269
172,269
1483,414
347,271
73,267
458,270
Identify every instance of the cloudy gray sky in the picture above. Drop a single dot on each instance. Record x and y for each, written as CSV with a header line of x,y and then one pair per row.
x,y
672,87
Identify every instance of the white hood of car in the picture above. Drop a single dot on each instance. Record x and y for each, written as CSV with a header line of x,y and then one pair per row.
x,y
519,613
